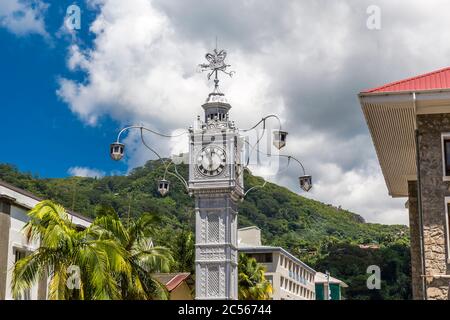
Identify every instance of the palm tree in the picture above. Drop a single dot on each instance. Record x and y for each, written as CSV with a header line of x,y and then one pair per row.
x,y
144,258
252,284
62,246
115,262
183,249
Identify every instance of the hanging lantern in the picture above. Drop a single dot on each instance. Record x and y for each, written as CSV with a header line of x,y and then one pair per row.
x,y
163,187
279,139
305,182
117,151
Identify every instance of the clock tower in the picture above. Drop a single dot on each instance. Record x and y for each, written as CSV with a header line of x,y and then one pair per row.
x,y
216,182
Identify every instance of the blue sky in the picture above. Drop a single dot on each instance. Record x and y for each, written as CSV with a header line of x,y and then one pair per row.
x,y
65,95
42,135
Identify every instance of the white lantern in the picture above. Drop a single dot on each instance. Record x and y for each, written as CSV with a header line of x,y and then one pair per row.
x,y
305,182
163,187
279,139
117,151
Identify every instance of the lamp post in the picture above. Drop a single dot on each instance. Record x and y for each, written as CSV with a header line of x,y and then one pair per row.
x,y
216,169
327,273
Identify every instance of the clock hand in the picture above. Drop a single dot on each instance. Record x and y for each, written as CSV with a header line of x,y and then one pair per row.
x,y
210,161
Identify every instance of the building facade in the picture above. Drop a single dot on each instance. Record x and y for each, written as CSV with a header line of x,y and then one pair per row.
x,y
409,122
291,279
328,288
14,205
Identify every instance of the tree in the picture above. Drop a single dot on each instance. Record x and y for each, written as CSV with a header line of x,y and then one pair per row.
x,y
63,246
252,283
114,261
144,258
183,249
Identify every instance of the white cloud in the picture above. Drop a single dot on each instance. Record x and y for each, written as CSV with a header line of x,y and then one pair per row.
x,y
85,172
303,60
352,180
23,17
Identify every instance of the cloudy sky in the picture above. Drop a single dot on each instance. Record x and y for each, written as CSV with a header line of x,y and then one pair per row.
x,y
67,91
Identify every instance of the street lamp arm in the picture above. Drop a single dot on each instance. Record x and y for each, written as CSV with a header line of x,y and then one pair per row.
x,y
149,130
289,157
164,161
176,174
293,158
256,144
277,155
263,120
150,148
256,187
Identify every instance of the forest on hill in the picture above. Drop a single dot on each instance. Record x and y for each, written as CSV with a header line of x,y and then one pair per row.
x,y
323,236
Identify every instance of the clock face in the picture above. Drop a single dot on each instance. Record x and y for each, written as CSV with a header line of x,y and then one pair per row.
x,y
211,161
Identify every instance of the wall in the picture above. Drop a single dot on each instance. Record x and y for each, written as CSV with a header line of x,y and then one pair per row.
x,y
18,241
181,292
433,193
250,236
299,289
5,223
414,229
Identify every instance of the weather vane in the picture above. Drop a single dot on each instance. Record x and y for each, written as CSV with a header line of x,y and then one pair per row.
x,y
217,63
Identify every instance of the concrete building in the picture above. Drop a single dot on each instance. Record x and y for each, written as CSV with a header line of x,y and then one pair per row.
x,y
14,205
409,121
291,279
328,288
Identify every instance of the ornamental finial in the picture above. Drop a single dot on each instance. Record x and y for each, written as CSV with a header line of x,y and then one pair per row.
x,y
217,63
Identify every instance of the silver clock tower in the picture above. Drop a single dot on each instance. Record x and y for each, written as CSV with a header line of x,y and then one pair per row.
x,y
216,182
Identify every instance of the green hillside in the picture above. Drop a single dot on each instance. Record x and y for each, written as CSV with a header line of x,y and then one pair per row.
x,y
323,236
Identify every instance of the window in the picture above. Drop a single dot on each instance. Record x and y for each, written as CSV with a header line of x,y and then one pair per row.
x,y
447,156
263,257
20,254
213,228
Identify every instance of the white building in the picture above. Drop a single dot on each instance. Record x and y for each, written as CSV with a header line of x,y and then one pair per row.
x,y
328,287
14,205
291,279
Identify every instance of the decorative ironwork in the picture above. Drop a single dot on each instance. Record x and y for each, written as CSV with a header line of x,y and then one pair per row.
x,y
216,63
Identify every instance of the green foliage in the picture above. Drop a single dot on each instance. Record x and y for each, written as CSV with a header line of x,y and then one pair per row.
x,y
350,262
114,261
183,251
252,283
308,229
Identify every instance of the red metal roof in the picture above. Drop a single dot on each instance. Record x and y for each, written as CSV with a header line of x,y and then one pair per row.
x,y
176,280
439,79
